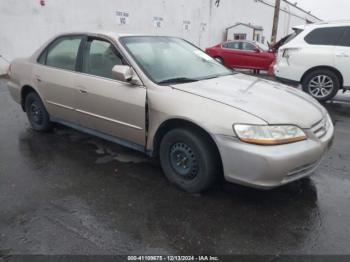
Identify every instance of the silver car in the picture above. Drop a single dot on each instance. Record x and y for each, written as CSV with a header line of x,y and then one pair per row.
x,y
167,98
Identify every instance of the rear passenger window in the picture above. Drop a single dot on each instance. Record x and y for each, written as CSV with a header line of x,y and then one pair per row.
x,y
325,36
345,40
42,58
63,53
232,45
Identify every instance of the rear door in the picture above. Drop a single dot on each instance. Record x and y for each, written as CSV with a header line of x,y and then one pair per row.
x,y
342,56
104,104
232,54
55,74
323,49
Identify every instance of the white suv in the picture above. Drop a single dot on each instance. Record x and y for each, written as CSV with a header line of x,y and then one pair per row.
x,y
318,57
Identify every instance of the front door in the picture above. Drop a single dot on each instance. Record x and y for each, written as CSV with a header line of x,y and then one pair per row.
x,y
251,57
104,104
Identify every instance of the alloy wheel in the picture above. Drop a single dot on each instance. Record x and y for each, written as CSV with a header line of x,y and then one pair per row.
x,y
321,86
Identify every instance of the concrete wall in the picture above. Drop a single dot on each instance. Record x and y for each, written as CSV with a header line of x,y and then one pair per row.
x,y
25,24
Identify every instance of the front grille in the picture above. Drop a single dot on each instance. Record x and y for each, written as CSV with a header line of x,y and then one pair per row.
x,y
320,128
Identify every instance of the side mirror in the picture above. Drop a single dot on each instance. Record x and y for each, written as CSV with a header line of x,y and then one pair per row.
x,y
125,73
257,50
122,73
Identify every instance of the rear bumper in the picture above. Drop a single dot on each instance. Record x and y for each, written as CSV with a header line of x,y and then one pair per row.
x,y
267,167
14,90
288,73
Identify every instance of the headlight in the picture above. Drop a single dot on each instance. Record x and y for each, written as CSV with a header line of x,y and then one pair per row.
x,y
269,135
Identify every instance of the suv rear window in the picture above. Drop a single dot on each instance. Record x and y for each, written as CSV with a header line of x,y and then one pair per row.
x,y
325,36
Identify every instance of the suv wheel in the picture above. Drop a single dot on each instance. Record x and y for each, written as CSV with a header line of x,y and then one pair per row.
x,y
189,160
321,84
37,115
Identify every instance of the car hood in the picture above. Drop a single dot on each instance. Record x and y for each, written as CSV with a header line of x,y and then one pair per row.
x,y
272,102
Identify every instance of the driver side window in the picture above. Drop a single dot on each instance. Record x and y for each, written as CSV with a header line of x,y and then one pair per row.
x,y
100,57
248,46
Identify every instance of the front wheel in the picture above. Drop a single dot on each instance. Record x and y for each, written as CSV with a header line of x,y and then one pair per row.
x,y
37,115
321,84
189,160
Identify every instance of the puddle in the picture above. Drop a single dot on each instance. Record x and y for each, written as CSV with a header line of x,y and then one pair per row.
x,y
130,158
108,155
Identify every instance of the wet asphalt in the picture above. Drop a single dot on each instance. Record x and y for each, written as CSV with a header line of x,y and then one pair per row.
x,y
65,192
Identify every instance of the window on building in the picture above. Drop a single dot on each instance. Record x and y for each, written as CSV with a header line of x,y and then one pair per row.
x,y
325,36
240,36
101,56
63,53
257,37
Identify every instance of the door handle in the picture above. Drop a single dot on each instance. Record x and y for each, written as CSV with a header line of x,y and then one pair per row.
x,y
82,89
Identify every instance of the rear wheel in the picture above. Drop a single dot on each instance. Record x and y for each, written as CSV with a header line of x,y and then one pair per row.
x,y
189,160
37,115
321,84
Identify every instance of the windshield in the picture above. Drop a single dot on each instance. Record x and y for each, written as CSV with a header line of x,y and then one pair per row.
x,y
168,60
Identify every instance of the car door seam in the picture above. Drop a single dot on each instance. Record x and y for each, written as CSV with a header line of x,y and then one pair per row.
x,y
108,119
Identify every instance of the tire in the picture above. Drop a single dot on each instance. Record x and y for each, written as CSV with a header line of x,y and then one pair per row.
x,y
321,84
189,160
37,115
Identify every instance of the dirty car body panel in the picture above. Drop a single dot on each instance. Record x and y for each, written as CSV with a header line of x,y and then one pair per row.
x,y
134,113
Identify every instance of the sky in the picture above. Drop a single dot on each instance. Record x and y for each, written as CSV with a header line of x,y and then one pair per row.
x,y
326,9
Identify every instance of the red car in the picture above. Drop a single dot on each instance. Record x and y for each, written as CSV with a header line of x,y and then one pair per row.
x,y
243,54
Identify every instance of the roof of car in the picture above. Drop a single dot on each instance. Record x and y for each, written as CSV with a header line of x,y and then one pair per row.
x,y
324,24
97,32
109,34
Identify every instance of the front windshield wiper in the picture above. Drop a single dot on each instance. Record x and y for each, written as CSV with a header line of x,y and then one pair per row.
x,y
216,76
177,80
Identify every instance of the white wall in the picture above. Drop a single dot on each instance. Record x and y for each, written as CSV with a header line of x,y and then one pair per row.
x,y
25,24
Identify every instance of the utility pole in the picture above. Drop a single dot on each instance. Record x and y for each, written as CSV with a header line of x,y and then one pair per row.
x,y
275,21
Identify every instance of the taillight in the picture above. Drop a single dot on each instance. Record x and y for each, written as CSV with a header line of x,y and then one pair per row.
x,y
289,51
